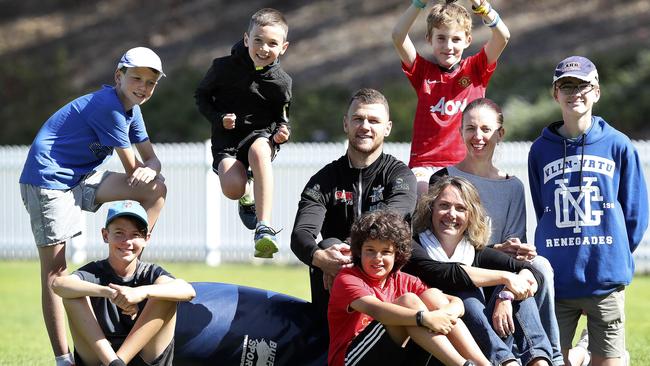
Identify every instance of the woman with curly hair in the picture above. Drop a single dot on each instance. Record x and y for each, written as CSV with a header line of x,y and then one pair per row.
x,y
451,230
375,309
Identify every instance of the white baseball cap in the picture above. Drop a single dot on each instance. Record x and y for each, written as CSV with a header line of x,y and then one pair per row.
x,y
141,57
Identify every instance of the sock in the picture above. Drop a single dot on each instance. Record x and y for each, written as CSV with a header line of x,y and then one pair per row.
x,y
117,362
64,360
260,223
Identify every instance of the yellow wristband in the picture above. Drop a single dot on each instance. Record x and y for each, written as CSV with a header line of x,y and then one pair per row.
x,y
482,9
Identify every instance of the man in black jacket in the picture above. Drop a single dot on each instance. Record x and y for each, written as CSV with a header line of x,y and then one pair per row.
x,y
362,180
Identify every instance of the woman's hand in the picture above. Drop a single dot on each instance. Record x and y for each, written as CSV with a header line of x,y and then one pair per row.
x,y
502,320
518,285
528,276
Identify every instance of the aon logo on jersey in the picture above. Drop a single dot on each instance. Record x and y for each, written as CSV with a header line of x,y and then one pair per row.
x,y
448,108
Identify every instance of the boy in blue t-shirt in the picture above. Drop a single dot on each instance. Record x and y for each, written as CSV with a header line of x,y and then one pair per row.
x,y
59,179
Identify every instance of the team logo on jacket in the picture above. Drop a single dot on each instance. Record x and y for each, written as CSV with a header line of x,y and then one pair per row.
x,y
258,352
401,185
581,204
313,192
464,82
377,194
577,206
344,197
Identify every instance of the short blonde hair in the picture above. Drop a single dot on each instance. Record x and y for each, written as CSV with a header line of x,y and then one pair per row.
x,y
478,227
450,15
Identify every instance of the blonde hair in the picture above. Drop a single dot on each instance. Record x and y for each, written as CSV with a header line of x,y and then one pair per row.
x,y
478,227
449,15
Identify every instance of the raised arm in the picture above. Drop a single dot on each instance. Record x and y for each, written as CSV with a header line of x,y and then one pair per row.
x,y
403,44
500,32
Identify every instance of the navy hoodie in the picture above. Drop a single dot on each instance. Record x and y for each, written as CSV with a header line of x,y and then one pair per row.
x,y
591,203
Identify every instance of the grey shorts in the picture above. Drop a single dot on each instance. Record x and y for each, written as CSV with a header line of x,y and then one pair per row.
x,y
55,214
605,322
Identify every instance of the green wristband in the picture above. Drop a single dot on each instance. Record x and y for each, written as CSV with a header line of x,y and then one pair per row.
x,y
419,4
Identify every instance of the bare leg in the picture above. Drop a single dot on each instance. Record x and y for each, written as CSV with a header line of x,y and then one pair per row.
x,y
259,157
152,332
53,265
435,343
459,336
151,196
89,340
232,176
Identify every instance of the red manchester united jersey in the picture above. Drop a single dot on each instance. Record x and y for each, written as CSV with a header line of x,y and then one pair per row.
x,y
442,96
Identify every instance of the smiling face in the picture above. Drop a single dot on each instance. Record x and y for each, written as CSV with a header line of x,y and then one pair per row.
x,y
366,126
481,132
135,85
377,258
449,215
125,240
576,97
265,44
448,44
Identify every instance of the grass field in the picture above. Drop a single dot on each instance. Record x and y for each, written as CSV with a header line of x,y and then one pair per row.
x,y
23,340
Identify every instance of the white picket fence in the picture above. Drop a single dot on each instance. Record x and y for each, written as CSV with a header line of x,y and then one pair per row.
x,y
199,224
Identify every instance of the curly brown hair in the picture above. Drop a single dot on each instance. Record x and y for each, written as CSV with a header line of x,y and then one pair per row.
x,y
382,225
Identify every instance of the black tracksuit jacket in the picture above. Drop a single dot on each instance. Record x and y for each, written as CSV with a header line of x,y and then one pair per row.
x,y
336,196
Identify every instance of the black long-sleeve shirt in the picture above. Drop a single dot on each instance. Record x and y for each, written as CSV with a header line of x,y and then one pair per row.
x,y
336,196
259,98
451,277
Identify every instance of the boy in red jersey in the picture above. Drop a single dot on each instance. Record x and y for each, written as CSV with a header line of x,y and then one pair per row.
x,y
447,83
375,309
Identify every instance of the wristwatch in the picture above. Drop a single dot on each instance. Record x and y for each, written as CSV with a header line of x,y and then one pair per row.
x,y
506,295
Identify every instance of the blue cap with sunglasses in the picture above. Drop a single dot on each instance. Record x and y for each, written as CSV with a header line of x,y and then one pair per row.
x,y
576,67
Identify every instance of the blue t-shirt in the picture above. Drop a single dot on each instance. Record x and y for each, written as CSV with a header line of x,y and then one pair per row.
x,y
79,137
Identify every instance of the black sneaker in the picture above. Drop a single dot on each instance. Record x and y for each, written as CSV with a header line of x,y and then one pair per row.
x,y
247,206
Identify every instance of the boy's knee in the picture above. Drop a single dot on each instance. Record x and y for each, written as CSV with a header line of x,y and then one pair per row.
x,y
233,192
159,188
166,309
410,300
260,151
434,298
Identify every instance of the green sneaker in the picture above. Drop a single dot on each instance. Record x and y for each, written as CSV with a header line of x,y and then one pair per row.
x,y
265,242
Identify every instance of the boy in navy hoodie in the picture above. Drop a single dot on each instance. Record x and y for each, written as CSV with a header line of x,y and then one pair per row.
x,y
591,203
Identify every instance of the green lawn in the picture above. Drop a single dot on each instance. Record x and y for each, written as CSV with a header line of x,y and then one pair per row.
x,y
23,340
